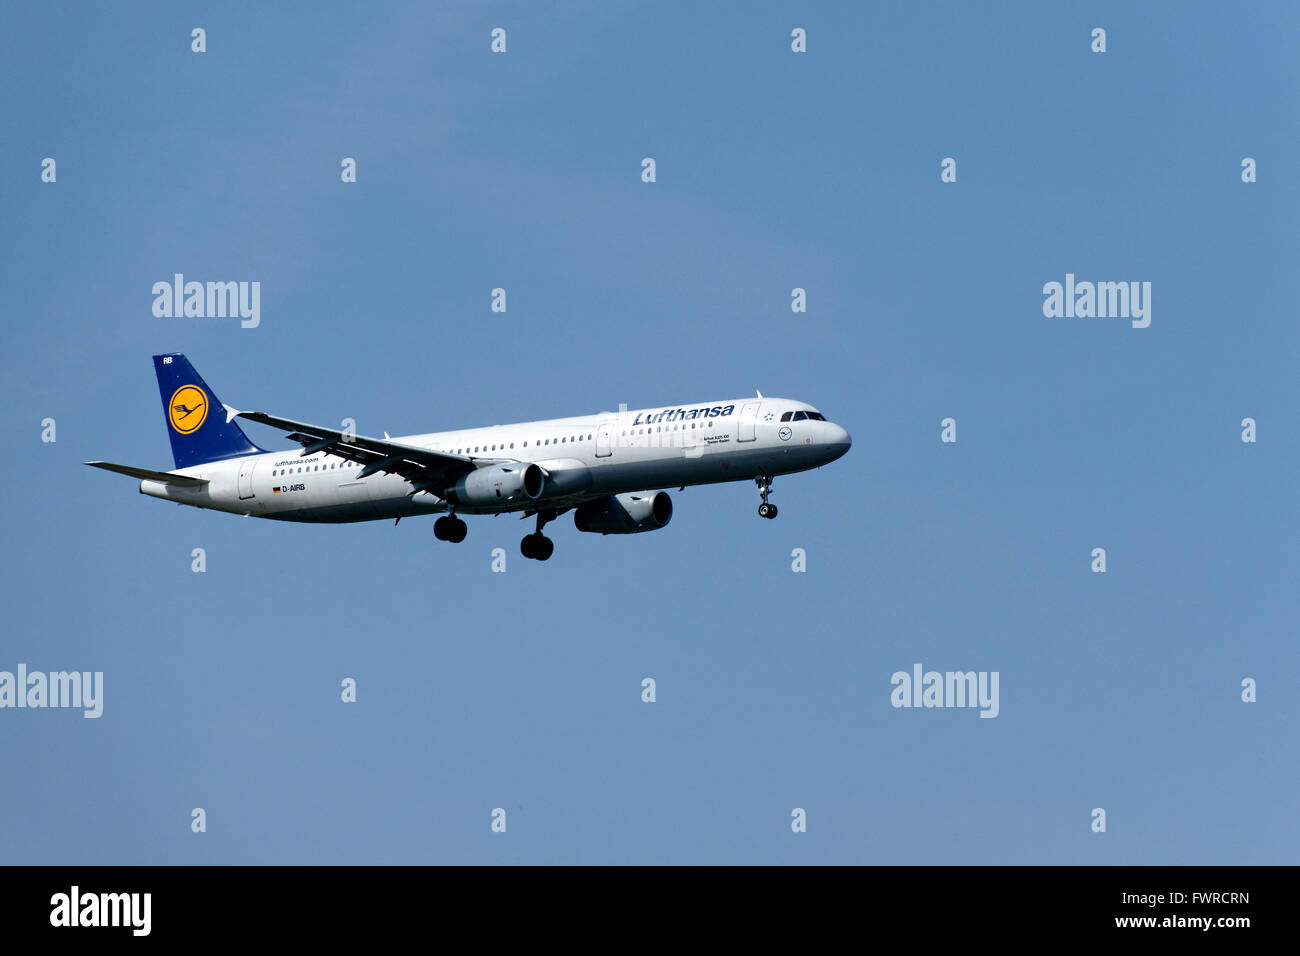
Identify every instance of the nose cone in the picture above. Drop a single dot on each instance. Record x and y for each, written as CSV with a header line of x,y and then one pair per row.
x,y
837,441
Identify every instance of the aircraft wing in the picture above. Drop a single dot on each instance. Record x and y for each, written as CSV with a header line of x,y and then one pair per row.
x,y
425,468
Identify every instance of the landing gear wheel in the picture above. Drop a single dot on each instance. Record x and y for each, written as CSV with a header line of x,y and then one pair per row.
x,y
764,483
450,528
537,546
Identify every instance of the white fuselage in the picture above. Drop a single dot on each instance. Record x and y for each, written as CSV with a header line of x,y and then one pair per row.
x,y
597,455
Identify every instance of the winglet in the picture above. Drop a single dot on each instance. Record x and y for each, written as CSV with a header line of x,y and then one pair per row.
x,y
758,393
231,412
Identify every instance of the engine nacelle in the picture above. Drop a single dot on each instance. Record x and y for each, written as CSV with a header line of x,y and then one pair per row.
x,y
496,484
625,514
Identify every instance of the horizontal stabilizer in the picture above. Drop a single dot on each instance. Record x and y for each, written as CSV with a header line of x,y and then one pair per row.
x,y
183,481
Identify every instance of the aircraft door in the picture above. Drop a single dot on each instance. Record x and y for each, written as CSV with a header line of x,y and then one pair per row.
x,y
748,415
604,440
246,477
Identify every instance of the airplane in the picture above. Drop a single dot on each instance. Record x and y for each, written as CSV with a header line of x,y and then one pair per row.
x,y
598,466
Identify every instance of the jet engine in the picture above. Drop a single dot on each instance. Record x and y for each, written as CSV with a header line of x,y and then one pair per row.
x,y
496,484
625,514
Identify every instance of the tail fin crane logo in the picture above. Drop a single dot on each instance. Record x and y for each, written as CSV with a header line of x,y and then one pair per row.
x,y
188,409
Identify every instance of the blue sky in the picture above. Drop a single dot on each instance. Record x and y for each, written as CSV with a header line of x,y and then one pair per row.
x,y
775,170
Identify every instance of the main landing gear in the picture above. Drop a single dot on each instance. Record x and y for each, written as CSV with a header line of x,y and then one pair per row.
x,y
450,528
536,545
764,483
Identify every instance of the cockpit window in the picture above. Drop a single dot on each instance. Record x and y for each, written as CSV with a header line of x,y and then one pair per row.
x,y
785,416
817,416
800,417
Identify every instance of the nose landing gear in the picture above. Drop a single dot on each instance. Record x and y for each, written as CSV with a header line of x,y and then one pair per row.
x,y
764,483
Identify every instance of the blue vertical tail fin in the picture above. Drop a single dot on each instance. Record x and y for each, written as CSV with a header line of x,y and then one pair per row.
x,y
197,423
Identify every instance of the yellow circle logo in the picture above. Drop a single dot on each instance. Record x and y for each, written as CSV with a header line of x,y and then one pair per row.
x,y
188,409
